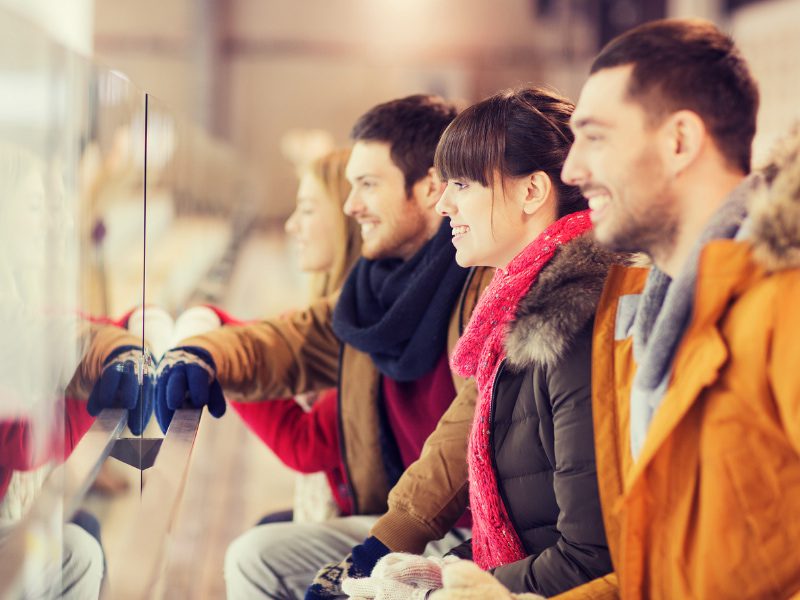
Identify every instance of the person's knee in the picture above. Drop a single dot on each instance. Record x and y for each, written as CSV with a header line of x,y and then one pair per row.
x,y
240,554
247,560
82,564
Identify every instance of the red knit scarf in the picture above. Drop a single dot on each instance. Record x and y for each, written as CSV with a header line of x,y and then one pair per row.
x,y
479,353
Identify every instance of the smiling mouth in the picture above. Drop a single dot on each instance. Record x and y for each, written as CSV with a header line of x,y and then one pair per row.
x,y
459,230
367,227
599,202
598,199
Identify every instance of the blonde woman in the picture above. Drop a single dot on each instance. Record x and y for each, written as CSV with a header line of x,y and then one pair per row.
x,y
303,431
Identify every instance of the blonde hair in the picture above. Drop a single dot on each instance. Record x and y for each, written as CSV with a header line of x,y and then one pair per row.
x,y
328,170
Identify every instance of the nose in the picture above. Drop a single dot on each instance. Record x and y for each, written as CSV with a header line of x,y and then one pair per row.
x,y
353,205
291,226
445,205
574,171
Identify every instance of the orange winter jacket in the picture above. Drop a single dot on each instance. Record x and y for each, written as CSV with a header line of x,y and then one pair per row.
x,y
711,507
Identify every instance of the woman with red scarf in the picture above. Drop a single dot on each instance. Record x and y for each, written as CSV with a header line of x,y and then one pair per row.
x,y
537,525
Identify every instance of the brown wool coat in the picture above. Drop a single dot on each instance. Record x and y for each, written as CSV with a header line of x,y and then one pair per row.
x,y
98,341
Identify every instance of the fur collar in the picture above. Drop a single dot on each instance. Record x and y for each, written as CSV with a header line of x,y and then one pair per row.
x,y
775,207
559,304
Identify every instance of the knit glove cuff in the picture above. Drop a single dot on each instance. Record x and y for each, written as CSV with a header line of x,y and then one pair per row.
x,y
366,555
125,382
186,377
193,355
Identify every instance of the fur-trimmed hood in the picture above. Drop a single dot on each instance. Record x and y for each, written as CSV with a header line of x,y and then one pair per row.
x,y
560,303
774,207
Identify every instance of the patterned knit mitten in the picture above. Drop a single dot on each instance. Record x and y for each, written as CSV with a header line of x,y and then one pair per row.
x,y
327,583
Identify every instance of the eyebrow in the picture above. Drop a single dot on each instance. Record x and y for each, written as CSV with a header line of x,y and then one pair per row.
x,y
364,176
588,121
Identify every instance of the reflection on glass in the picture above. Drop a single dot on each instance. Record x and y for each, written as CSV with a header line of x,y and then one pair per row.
x,y
68,151
79,338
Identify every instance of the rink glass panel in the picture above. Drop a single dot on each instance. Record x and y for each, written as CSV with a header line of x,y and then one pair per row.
x,y
71,215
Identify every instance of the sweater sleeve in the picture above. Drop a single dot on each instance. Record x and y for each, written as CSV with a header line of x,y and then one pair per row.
x,y
276,357
580,554
16,438
304,441
98,340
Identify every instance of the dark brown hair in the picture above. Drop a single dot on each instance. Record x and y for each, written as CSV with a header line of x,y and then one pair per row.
x,y
513,133
412,127
690,64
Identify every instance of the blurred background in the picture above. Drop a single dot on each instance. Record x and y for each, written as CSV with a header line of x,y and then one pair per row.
x,y
208,108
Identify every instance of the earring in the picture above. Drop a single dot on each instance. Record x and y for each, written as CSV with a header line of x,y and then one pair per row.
x,y
528,209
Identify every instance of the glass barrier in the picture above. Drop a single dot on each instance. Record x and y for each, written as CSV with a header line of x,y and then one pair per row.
x,y
71,173
116,218
114,245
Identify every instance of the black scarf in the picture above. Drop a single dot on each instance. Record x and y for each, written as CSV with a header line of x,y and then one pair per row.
x,y
398,311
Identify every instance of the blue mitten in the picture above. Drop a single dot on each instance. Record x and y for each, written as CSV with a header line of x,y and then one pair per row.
x,y
187,378
126,382
327,583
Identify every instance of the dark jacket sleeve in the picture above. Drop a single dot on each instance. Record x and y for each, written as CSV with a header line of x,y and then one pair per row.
x,y
580,554
463,550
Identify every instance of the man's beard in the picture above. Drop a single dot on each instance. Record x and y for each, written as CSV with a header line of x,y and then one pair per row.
x,y
650,226
655,232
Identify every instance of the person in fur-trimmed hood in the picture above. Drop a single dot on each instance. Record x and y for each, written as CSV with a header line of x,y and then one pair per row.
x,y
537,525
696,388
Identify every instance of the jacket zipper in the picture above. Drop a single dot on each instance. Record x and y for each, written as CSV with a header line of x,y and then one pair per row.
x,y
492,456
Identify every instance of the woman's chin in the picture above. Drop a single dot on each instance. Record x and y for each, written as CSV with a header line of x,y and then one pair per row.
x,y
464,260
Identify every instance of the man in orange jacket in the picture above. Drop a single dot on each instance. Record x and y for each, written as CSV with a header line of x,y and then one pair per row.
x,y
696,396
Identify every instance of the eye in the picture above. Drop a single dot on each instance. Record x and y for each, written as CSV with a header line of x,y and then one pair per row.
x,y
592,136
459,185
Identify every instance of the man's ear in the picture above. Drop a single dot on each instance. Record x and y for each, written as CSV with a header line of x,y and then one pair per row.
x,y
684,136
537,188
431,188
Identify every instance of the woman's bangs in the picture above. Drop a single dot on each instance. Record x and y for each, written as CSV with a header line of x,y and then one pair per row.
x,y
465,151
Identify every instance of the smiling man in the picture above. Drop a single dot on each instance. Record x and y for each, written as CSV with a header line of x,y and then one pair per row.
x,y
383,342
696,395
391,192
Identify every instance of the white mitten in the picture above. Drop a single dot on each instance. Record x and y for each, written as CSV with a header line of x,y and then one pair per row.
x,y
158,332
464,580
194,321
399,576
372,588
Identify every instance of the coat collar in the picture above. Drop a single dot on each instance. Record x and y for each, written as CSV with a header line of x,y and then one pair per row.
x,y
560,303
775,208
727,269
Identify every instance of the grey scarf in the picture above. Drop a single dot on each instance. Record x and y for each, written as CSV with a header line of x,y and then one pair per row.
x,y
663,314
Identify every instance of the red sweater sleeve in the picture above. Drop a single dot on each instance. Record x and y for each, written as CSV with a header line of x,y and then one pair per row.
x,y
16,444
305,441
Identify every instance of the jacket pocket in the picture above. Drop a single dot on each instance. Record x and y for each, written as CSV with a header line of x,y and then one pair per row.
x,y
757,493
